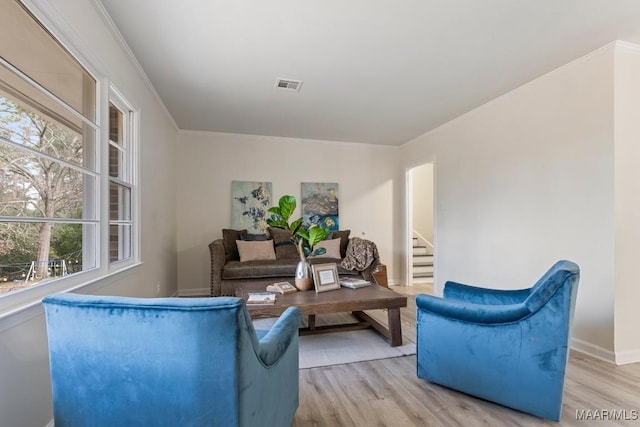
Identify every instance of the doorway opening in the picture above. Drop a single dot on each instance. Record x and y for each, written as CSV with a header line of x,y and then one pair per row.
x,y
420,225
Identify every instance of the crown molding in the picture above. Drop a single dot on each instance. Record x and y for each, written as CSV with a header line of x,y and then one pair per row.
x,y
117,35
609,46
621,44
272,138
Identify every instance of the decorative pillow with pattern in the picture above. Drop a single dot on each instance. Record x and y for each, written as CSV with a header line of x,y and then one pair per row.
x,y
332,246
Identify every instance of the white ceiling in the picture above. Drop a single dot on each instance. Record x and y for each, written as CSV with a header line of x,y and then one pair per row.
x,y
373,71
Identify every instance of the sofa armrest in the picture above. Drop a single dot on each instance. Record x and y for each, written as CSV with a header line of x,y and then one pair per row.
x,y
367,273
477,295
218,259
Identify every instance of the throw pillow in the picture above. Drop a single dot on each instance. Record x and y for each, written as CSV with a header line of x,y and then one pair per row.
x,y
229,238
344,240
255,250
332,246
252,237
285,249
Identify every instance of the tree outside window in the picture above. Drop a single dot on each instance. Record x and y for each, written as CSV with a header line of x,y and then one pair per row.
x,y
38,187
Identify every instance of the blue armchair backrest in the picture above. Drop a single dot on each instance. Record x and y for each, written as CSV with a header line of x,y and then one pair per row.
x,y
161,361
561,273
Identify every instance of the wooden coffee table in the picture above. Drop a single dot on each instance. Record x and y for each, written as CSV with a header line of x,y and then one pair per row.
x,y
336,301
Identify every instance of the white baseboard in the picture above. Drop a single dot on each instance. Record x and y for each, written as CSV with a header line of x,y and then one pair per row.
x,y
50,424
626,357
593,350
196,292
616,358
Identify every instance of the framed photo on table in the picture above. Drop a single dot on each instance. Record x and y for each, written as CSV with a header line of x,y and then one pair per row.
x,y
325,277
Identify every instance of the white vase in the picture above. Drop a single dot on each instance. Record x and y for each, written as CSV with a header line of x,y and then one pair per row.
x,y
303,278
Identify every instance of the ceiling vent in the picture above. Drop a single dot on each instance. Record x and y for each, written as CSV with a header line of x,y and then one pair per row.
x,y
288,84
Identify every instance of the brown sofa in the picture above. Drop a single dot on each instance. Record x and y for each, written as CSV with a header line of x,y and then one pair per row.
x,y
227,271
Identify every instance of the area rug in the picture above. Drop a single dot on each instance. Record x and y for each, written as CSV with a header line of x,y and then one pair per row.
x,y
345,347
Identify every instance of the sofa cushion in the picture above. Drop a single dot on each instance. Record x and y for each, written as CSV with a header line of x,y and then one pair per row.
x,y
344,240
229,237
285,249
279,268
332,247
256,250
259,269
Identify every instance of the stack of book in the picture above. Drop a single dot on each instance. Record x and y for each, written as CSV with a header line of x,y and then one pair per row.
x,y
282,287
353,282
261,298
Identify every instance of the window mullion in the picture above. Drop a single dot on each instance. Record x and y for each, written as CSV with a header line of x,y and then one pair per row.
x,y
103,163
120,182
30,150
46,92
37,219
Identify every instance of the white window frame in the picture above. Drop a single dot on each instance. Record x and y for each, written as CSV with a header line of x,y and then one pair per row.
x,y
130,137
26,302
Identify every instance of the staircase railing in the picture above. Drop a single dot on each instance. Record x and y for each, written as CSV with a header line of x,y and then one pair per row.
x,y
423,242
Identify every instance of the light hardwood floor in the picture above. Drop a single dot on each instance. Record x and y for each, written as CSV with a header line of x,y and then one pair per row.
x,y
388,393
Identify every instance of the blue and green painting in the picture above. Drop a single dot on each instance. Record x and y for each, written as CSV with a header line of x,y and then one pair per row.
x,y
320,204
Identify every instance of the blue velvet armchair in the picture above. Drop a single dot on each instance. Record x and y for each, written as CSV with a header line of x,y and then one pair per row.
x,y
118,361
508,347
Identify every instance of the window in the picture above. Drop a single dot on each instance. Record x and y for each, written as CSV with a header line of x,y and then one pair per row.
x,y
121,124
51,178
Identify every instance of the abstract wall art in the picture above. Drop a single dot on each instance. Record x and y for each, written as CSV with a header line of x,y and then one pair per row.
x,y
320,204
250,202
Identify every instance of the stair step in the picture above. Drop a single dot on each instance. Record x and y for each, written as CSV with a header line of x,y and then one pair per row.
x,y
422,261
423,264
423,274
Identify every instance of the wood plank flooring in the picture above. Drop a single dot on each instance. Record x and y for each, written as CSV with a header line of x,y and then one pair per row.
x,y
388,393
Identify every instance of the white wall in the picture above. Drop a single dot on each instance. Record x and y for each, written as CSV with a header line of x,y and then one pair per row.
x,y
627,203
208,162
527,179
25,398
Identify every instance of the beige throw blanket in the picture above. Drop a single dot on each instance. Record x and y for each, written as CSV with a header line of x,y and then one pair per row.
x,y
361,254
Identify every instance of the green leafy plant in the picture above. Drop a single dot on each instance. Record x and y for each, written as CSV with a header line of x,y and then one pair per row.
x,y
304,238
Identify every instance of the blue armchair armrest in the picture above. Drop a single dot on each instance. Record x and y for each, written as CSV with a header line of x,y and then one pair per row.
x,y
276,341
472,313
461,292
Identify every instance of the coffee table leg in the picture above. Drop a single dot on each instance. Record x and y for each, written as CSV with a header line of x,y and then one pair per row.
x,y
312,322
395,328
393,332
